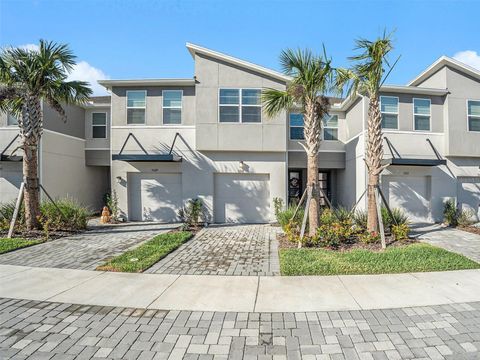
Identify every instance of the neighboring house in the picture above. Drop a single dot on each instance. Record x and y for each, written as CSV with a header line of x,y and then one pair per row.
x,y
67,166
170,140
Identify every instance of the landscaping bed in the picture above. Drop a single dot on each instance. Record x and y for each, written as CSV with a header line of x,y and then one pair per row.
x,y
7,245
470,228
147,254
417,257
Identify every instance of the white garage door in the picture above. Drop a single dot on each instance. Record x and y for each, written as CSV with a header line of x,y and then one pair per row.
x,y
10,180
154,197
242,198
468,195
410,194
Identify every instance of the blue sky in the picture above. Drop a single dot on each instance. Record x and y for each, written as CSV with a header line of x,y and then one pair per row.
x,y
146,39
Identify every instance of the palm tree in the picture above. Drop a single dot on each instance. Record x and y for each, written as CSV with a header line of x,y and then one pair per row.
x,y
311,78
28,77
367,75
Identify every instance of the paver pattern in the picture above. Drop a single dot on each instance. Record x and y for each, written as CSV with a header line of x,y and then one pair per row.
x,y
225,250
44,330
85,251
455,240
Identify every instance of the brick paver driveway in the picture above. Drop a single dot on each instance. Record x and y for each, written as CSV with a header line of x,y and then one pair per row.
x,y
225,250
87,250
43,330
459,241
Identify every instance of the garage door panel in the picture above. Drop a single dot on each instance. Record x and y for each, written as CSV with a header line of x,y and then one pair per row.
x,y
242,198
411,194
155,197
468,195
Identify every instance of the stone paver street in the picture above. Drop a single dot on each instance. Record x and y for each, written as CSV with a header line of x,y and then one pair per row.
x,y
86,250
455,240
44,330
225,250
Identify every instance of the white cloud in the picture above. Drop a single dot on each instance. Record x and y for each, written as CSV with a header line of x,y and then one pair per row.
x,y
81,71
86,72
468,57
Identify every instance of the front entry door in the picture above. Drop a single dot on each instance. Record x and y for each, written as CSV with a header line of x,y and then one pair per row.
x,y
294,186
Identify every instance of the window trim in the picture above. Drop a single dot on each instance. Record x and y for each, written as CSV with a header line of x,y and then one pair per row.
x,y
289,126
475,116
240,89
172,107
429,114
391,113
135,107
106,122
330,127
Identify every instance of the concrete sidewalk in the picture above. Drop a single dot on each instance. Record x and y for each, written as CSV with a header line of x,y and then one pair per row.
x,y
239,293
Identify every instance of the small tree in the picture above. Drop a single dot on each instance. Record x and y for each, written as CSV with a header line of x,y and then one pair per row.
x,y
366,76
312,76
26,78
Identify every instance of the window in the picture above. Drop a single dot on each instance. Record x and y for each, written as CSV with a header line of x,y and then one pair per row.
x,y
172,106
296,127
421,114
12,120
240,105
330,127
136,104
99,125
389,110
473,111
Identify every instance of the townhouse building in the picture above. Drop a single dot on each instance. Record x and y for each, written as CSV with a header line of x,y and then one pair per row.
x,y
162,142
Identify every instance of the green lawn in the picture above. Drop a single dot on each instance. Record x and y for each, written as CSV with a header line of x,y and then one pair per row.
x,y
411,258
7,245
147,254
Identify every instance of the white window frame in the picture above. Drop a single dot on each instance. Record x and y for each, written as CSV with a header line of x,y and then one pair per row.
x,y
172,107
240,105
289,126
391,113
94,125
135,107
330,127
474,116
429,114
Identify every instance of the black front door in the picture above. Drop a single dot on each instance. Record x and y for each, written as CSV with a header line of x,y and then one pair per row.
x,y
294,186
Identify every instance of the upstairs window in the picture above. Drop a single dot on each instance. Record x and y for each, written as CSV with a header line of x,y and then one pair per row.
x,y
240,105
172,106
330,127
389,110
421,114
136,105
99,125
296,127
12,120
473,111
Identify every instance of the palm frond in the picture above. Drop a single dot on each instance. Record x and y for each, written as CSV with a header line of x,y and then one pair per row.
x,y
274,101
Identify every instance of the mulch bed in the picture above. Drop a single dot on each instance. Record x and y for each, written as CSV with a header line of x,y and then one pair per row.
x,y
470,229
40,235
284,243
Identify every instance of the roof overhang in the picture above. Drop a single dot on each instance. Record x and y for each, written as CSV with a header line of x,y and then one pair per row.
x,y
439,64
147,158
414,162
147,82
193,49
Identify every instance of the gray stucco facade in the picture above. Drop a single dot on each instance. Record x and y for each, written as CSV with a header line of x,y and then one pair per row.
x,y
237,168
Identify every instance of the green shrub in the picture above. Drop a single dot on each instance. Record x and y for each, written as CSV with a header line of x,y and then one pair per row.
x,y
73,216
277,206
369,237
450,213
400,232
111,200
465,217
284,217
360,219
332,234
343,214
192,213
327,217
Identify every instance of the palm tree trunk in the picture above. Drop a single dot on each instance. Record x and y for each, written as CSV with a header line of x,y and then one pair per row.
x,y
312,181
30,131
374,159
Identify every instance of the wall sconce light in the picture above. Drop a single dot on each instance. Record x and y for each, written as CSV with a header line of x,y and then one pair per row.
x,y
119,179
242,166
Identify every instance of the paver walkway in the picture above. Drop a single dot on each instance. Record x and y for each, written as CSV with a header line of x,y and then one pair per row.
x,y
459,241
86,250
44,330
225,250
